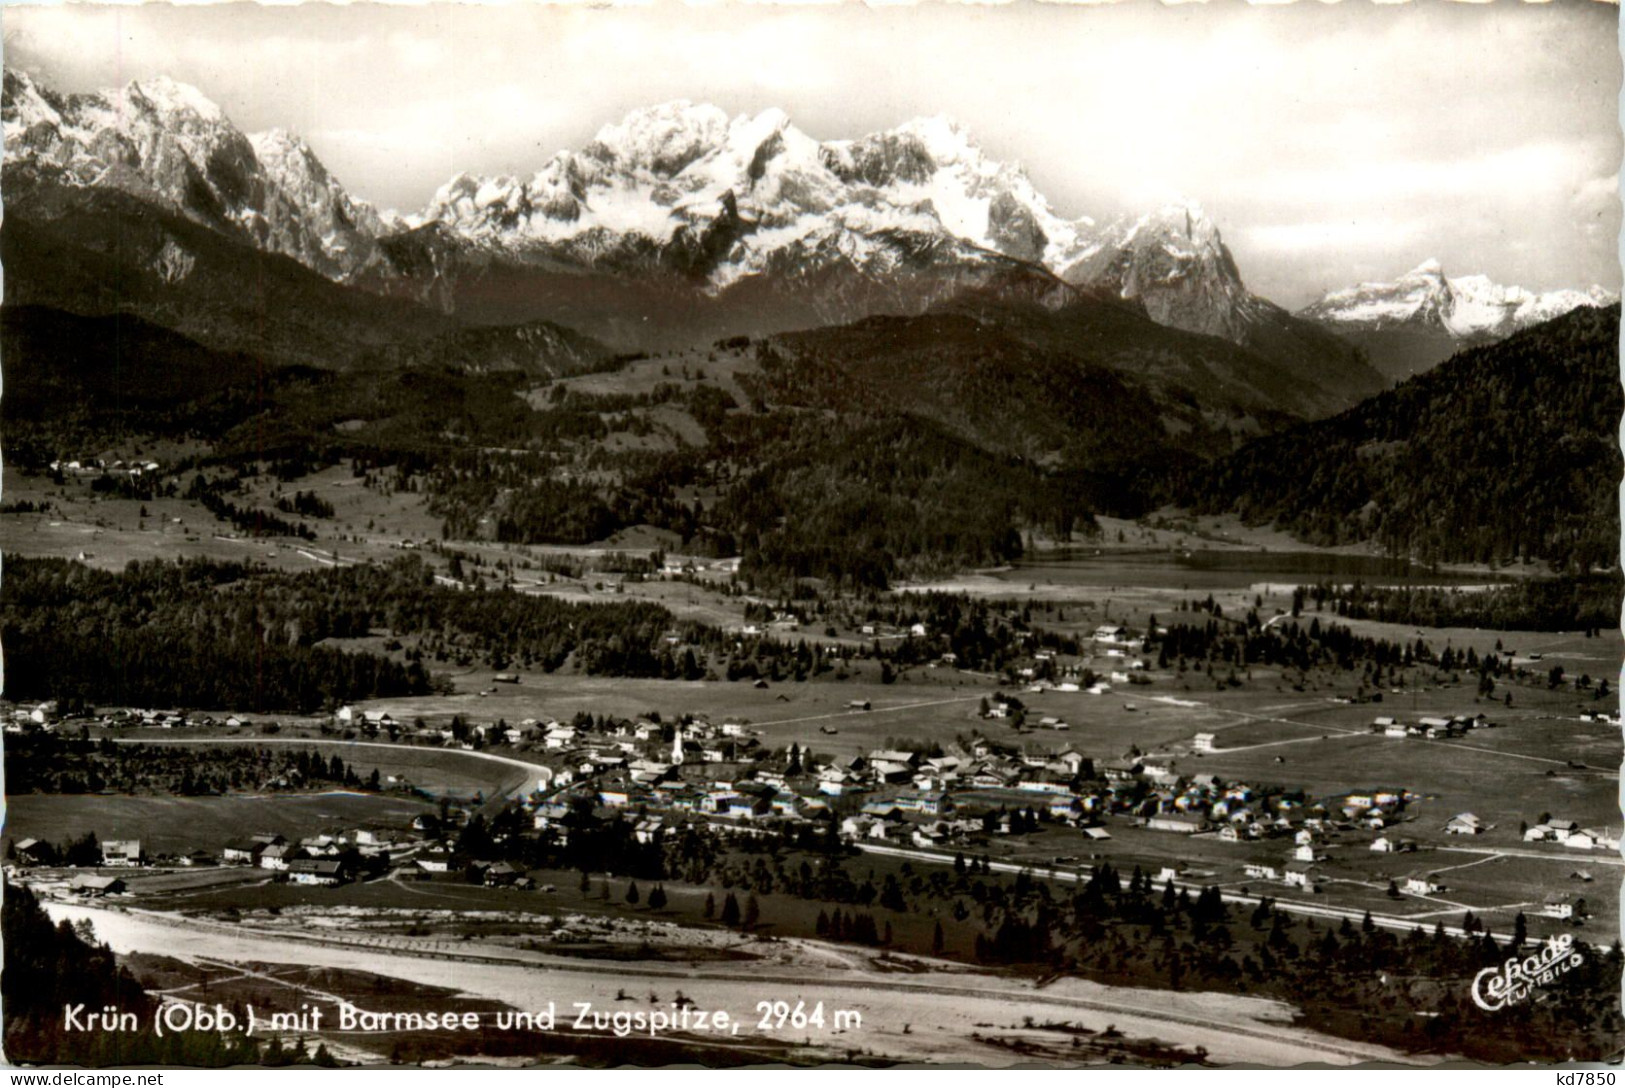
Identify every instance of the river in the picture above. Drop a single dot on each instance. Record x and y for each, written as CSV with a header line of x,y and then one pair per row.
x,y
927,1017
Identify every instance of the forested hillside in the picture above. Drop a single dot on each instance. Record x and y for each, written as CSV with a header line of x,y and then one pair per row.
x,y
1504,452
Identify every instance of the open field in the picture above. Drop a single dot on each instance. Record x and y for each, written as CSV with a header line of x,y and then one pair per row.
x,y
181,824
367,526
784,712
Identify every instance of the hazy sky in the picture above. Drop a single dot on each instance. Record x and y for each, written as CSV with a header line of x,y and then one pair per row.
x,y
1331,144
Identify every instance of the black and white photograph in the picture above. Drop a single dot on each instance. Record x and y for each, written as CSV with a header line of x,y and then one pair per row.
x,y
871,535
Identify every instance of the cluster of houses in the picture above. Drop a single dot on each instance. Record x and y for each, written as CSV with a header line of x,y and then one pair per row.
x,y
925,800
1572,835
95,466
46,715
325,860
1116,649
38,715
1431,728
1311,826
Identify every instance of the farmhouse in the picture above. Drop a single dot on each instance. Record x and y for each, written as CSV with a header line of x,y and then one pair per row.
x,y
1562,829
241,852
87,884
647,829
32,852
1300,874
1558,905
277,857
1464,824
322,872
501,875
744,807
434,862
1182,822
1420,884
1381,845
1122,770
1204,742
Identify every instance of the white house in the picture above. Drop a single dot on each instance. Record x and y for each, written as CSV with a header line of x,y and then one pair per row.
x,y
1299,874
277,857
434,862
1464,824
121,852
1558,905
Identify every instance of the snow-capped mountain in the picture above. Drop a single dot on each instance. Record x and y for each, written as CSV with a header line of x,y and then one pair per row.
x,y
164,141
726,200
679,222
735,193
1421,319
1466,307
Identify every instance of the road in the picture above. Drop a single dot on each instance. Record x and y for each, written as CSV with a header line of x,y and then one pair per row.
x,y
848,713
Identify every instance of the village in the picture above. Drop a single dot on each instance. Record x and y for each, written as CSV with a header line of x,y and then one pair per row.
x,y
1040,806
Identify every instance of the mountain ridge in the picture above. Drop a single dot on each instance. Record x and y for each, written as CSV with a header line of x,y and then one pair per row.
x,y
1505,451
677,223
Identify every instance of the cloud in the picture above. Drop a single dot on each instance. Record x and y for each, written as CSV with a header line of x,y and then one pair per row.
x,y
1334,235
